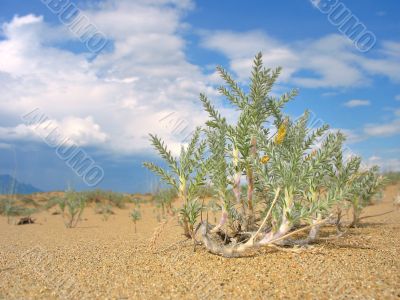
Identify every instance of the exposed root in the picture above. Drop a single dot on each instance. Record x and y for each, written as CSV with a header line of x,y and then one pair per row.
x,y
267,215
224,217
218,242
319,223
215,245
311,238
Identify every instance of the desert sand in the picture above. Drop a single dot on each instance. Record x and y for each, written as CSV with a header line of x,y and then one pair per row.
x,y
106,260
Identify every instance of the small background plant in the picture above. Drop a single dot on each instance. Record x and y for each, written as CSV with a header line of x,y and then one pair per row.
x,y
72,206
104,209
164,199
135,216
11,209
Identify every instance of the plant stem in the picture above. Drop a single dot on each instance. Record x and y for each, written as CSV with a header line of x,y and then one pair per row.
x,y
251,240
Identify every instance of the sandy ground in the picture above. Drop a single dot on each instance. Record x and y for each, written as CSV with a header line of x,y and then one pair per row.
x,y
106,259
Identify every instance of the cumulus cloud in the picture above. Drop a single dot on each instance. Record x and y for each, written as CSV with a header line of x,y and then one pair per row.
x,y
80,131
383,130
331,61
357,102
144,82
114,99
352,136
385,164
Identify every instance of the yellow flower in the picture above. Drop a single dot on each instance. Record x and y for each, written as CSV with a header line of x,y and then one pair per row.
x,y
280,136
264,159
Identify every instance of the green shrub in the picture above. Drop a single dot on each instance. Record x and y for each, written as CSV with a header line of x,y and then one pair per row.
x,y
116,199
186,174
72,206
95,196
163,199
365,185
29,201
51,202
294,175
104,209
9,209
392,177
99,196
135,216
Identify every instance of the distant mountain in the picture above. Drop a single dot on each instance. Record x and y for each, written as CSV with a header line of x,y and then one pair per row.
x,y
9,185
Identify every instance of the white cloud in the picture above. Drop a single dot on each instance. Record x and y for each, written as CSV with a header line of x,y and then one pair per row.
x,y
357,102
383,130
80,131
116,98
240,48
397,97
385,164
331,61
5,146
125,91
352,136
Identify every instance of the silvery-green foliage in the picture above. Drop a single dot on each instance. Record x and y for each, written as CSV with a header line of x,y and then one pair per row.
x,y
9,208
104,209
363,186
305,164
300,166
164,199
72,206
186,173
191,210
135,215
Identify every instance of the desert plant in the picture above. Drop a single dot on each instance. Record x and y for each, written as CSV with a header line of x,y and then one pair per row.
x,y
26,200
392,177
99,196
72,206
164,199
136,201
51,202
191,210
135,216
104,209
186,173
294,175
95,196
303,175
10,209
365,185
206,191
213,206
116,199
7,208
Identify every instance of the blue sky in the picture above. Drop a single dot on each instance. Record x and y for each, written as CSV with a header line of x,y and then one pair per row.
x,y
161,54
